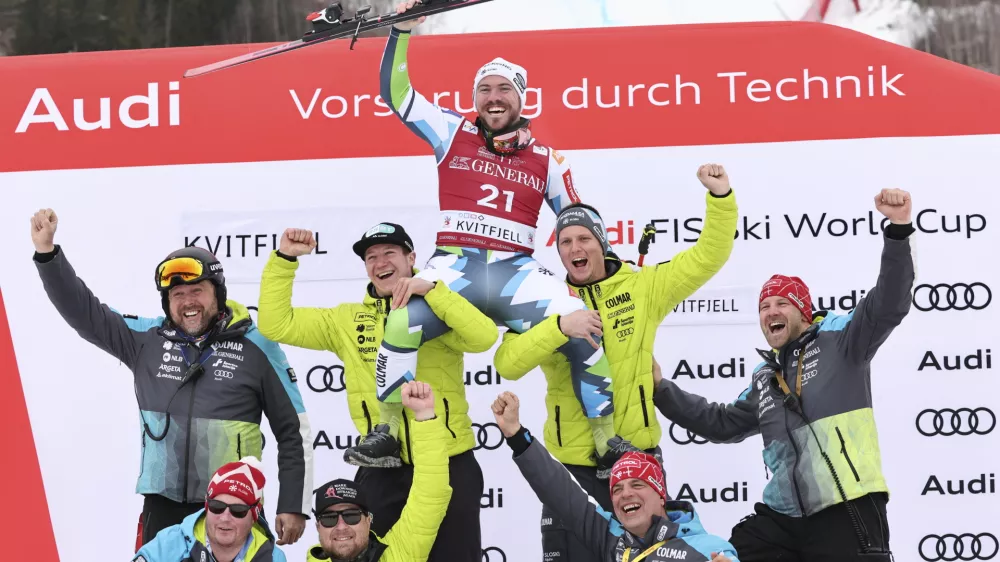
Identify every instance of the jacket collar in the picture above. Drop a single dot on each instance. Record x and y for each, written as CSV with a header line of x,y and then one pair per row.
x,y
614,274
233,323
681,521
774,357
381,303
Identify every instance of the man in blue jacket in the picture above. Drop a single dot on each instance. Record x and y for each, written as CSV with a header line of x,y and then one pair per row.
x,y
646,525
230,528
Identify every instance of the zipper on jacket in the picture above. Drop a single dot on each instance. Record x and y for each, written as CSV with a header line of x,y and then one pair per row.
x,y
558,427
642,398
795,465
409,447
368,416
843,449
239,446
446,414
590,293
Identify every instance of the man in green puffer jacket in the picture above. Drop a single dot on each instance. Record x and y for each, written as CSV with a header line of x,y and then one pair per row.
x,y
625,304
343,509
387,251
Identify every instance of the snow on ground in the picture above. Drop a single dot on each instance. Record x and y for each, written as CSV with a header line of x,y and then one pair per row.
x,y
897,21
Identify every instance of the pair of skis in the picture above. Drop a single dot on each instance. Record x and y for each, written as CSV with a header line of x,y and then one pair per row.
x,y
330,24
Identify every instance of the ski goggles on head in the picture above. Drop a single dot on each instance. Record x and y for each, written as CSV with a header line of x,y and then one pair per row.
x,y
238,510
329,519
187,270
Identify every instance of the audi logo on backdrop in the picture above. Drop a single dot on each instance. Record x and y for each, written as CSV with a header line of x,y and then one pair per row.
x,y
494,554
488,436
948,548
954,296
326,379
962,421
683,436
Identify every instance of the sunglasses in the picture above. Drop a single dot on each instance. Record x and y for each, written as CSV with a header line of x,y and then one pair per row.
x,y
329,519
188,269
238,510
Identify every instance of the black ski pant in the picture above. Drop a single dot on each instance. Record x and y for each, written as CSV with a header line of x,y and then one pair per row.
x,y
459,538
826,536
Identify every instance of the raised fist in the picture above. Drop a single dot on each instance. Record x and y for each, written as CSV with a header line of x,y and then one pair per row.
x,y
713,176
505,411
895,205
418,397
43,230
408,25
297,242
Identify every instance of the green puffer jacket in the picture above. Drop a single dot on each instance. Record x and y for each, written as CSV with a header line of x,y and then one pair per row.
x,y
632,301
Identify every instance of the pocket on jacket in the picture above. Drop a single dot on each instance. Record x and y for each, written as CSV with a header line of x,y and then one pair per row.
x,y
558,427
642,400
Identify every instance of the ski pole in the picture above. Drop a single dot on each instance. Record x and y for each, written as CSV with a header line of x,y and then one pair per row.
x,y
648,236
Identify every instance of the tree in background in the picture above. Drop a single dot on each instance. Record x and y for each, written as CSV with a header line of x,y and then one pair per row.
x,y
30,27
964,31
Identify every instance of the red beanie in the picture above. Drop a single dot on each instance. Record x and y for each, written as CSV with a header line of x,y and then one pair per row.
x,y
793,289
642,466
242,479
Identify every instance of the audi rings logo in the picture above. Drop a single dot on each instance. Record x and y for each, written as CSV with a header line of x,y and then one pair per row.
x,y
488,436
326,379
685,436
948,548
494,554
962,421
956,296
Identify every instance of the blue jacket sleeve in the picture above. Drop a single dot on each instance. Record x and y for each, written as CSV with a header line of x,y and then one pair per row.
x,y
169,545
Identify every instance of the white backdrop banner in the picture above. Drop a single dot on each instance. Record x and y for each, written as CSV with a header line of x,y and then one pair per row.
x,y
934,381
810,121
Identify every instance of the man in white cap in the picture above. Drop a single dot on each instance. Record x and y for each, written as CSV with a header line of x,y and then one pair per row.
x,y
230,528
494,178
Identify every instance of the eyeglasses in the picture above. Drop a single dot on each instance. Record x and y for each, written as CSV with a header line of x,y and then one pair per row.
x,y
238,510
329,519
188,269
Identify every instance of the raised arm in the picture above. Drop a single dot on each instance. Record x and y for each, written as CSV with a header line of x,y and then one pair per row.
x,y
560,192
885,306
553,484
435,125
94,321
277,319
415,532
679,278
720,423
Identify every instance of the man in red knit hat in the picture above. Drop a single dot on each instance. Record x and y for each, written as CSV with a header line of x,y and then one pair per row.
x,y
810,399
231,527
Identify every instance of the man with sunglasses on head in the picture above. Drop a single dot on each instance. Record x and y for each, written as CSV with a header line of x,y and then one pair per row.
x,y
230,526
203,374
343,519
